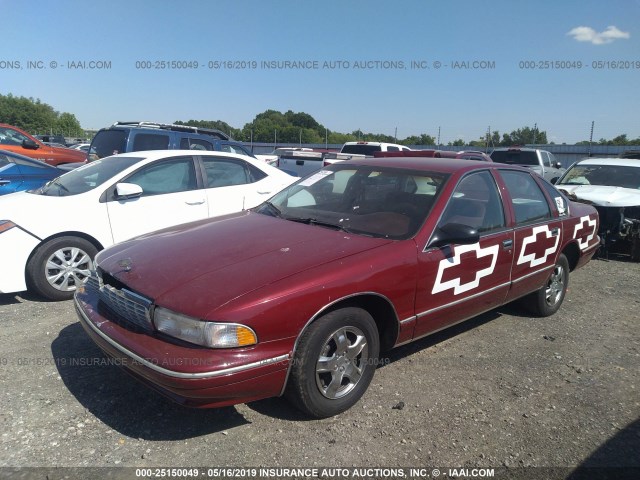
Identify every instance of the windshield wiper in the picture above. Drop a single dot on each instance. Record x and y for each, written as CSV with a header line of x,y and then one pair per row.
x,y
320,223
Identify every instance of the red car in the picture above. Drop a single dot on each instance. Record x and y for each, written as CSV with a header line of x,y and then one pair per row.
x,y
464,154
18,141
300,295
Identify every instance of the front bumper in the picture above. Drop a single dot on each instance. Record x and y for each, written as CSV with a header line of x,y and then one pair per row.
x,y
16,246
189,375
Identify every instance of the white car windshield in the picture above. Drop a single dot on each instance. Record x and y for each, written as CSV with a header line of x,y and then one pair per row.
x,y
607,175
87,177
374,201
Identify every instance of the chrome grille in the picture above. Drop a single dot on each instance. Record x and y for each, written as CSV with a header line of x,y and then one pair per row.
x,y
126,304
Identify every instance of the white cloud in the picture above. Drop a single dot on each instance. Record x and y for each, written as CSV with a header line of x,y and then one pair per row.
x,y
588,34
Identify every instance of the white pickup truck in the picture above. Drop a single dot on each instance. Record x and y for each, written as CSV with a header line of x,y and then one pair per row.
x,y
302,163
351,150
540,161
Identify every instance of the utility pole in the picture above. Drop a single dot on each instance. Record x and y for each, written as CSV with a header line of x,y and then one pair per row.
x,y
438,142
591,137
535,127
486,148
395,136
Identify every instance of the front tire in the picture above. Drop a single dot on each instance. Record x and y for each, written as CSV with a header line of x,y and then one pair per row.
x,y
547,301
334,362
59,266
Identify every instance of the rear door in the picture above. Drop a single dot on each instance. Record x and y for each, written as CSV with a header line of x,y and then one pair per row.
x,y
233,185
456,282
537,229
171,196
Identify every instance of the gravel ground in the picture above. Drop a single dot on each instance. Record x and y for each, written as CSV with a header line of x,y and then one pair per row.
x,y
503,389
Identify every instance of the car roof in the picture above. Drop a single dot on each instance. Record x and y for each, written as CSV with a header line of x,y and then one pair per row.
x,y
156,154
362,142
429,164
516,149
621,162
154,126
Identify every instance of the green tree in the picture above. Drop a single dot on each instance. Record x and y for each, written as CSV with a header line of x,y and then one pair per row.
x,y
422,139
68,125
523,136
36,117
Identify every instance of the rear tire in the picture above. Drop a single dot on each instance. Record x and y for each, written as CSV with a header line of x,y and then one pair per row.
x,y
334,362
547,301
59,266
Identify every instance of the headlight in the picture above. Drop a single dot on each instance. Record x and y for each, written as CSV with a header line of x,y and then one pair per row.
x,y
6,225
208,334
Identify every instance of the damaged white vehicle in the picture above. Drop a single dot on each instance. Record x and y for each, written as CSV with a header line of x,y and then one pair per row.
x,y
612,186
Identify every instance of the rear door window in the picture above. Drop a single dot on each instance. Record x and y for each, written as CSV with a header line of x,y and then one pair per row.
x,y
187,143
223,172
529,203
150,141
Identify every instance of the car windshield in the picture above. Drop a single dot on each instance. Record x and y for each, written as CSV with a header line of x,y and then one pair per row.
x,y
87,177
373,201
608,175
515,157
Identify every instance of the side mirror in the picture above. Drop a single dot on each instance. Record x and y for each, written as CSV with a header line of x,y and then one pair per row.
x,y
127,191
554,180
30,144
558,165
454,233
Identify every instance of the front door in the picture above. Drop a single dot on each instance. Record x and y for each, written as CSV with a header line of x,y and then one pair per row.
x,y
170,197
458,281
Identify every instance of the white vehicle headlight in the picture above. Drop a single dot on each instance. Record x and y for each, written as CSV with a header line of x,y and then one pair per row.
x,y
208,334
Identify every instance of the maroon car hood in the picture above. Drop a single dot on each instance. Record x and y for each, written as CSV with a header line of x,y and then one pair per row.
x,y
198,267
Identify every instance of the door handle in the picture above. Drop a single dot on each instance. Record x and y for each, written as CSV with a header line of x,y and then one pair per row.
x,y
200,202
507,243
5,182
264,193
555,232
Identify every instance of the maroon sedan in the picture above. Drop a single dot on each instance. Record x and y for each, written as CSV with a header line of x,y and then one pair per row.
x,y
300,295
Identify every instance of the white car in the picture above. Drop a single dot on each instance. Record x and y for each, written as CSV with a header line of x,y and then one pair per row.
x,y
49,236
612,186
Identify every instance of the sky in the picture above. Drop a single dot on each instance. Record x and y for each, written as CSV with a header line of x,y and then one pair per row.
x,y
406,67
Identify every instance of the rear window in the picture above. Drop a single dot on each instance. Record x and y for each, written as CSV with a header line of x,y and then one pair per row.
x,y
515,157
107,143
361,149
